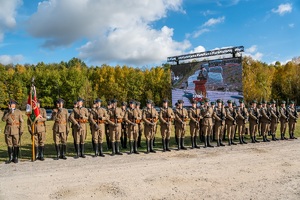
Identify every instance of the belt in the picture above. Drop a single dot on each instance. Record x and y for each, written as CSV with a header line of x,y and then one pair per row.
x,y
118,120
100,121
152,120
42,123
81,120
11,124
168,119
207,117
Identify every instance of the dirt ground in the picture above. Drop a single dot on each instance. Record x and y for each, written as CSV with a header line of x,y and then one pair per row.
x,y
252,171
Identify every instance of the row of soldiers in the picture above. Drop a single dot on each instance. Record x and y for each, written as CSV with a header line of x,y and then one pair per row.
x,y
120,123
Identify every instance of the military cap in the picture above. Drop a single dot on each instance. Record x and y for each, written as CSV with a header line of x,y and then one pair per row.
x,y
176,104
97,100
165,100
263,102
283,102
149,101
80,99
109,103
132,102
12,101
292,102
234,104
241,100
273,101
74,102
219,101
60,100
180,101
259,103
254,101
124,103
138,103
114,101
269,103
206,100
229,101
212,103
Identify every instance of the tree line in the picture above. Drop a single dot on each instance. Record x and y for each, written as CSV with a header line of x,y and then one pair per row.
x,y
74,78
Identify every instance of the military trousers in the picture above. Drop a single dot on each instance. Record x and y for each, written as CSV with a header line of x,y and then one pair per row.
x,y
219,130
165,131
273,127
283,126
12,140
207,130
241,128
265,126
291,127
133,132
39,139
253,129
98,135
180,130
59,138
115,132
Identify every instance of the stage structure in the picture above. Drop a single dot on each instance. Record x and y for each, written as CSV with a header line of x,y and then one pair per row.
x,y
215,74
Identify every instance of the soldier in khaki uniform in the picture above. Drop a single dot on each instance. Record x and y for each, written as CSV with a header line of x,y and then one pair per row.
x,y
254,116
60,129
265,121
150,117
207,113
219,116
283,120
241,120
166,116
108,141
181,117
13,130
140,125
39,132
293,116
97,119
132,118
115,118
195,116
274,119
73,127
80,116
230,122
124,134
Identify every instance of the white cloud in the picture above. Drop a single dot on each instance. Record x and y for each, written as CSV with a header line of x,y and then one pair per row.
x,y
7,15
199,32
253,52
283,9
115,30
8,59
214,21
291,25
198,49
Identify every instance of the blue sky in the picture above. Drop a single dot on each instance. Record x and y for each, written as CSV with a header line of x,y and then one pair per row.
x,y
144,33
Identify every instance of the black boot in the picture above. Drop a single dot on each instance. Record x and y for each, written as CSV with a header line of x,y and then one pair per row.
x,y
167,145
229,142
16,154
221,144
42,148
205,142
266,137
37,153
57,151
178,143
291,137
256,140
151,147
192,141
125,141
60,151
252,139
208,142
78,151
101,150
163,145
118,148
108,143
195,143
176,140
148,146
113,148
243,139
135,147
64,147
96,149
284,137
293,134
139,141
122,142
273,137
130,147
153,141
10,155
281,136
233,142
182,144
75,146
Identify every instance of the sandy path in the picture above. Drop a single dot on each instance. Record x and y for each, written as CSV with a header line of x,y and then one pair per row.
x,y
253,171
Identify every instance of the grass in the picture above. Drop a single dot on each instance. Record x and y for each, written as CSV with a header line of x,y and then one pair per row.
x,y
51,153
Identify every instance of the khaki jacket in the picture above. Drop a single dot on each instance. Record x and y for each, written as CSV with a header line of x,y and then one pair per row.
x,y
39,125
14,122
60,118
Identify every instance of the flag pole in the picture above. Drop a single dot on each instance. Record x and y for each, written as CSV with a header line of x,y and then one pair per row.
x,y
32,126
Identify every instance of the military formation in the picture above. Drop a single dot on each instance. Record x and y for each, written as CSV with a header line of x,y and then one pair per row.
x,y
125,125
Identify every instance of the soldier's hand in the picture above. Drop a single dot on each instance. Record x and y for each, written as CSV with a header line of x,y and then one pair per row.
x,y
30,132
116,124
133,124
97,127
153,124
167,123
100,118
78,126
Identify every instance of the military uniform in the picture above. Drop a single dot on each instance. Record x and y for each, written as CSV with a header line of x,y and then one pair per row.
x,y
73,128
241,121
166,117
181,117
283,120
230,122
140,125
274,115
108,141
60,129
115,118
254,116
132,118
13,131
219,116
97,119
207,113
124,134
39,133
150,117
195,116
293,116
265,121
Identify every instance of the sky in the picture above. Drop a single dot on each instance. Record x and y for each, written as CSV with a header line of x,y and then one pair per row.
x,y
143,33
